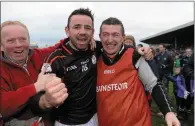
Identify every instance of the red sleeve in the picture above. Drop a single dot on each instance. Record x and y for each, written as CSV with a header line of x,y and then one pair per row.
x,y
13,101
46,51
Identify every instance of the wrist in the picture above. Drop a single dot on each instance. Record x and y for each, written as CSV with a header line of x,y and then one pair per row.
x,y
37,88
170,114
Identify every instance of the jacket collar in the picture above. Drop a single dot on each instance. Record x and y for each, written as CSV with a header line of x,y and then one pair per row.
x,y
5,59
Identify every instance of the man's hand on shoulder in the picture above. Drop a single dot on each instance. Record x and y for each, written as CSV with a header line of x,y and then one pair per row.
x,y
55,94
146,52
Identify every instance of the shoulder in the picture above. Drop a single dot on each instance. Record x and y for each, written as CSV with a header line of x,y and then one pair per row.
x,y
178,77
5,68
166,53
54,56
158,54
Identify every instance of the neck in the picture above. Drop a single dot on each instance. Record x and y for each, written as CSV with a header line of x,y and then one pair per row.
x,y
111,56
162,52
21,63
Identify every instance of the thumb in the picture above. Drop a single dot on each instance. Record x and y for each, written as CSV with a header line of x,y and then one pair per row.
x,y
43,70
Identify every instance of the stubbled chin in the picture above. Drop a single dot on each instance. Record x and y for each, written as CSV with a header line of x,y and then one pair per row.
x,y
82,46
111,50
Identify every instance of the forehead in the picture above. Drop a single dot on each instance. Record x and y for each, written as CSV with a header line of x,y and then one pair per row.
x,y
111,28
161,46
14,30
128,40
177,68
80,19
188,50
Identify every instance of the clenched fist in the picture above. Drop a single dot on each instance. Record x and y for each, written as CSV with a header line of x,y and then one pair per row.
x,y
55,94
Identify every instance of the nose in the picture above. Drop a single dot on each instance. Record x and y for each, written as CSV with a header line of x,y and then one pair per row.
x,y
82,30
110,39
18,43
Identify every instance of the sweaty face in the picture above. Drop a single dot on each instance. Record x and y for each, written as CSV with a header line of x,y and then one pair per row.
x,y
15,43
111,38
80,31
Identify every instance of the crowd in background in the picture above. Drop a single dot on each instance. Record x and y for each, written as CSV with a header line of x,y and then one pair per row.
x,y
176,66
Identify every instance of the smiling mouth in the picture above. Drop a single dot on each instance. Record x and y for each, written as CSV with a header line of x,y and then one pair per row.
x,y
82,39
19,51
111,46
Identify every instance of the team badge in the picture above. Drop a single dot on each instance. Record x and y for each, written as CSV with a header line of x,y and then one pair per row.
x,y
165,58
93,59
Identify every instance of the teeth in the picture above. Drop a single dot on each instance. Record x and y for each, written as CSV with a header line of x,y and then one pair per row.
x,y
18,51
110,46
82,39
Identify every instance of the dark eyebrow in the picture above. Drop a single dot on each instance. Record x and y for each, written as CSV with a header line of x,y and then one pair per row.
x,y
105,32
88,26
76,25
116,33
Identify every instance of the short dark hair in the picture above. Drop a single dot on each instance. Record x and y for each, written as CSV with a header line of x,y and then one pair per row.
x,y
188,48
140,45
162,45
113,21
81,11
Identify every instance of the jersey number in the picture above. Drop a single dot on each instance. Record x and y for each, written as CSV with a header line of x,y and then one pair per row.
x,y
84,67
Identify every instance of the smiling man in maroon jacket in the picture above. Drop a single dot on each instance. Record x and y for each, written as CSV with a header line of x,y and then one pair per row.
x,y
20,78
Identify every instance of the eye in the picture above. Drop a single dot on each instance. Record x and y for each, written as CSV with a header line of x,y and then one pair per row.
x,y
76,27
116,35
22,39
88,27
10,40
105,34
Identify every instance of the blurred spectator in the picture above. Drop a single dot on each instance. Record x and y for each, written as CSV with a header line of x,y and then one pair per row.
x,y
130,40
188,72
186,57
180,91
165,64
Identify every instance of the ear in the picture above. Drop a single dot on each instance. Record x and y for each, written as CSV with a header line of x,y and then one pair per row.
x,y
2,48
67,31
93,31
100,36
123,37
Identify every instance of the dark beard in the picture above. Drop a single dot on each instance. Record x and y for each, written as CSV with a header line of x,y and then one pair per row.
x,y
72,41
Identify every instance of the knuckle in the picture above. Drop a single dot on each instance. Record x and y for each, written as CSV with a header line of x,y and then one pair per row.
x,y
62,85
58,101
65,89
58,79
66,95
46,89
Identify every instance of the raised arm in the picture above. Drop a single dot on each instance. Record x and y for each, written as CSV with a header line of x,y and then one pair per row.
x,y
151,84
